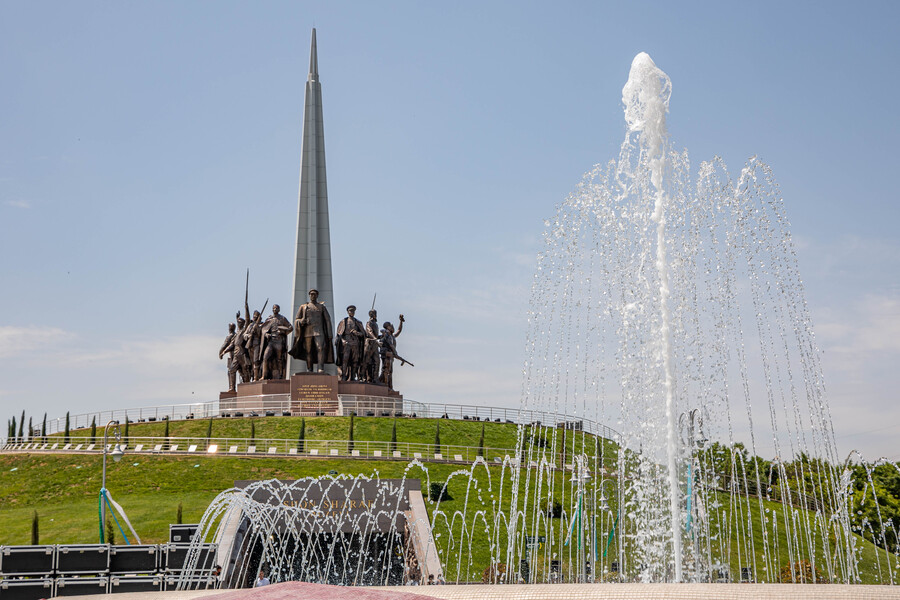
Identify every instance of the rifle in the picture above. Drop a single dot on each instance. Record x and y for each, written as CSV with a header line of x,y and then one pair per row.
x,y
246,296
402,360
261,312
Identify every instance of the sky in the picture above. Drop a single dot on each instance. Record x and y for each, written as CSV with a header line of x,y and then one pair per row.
x,y
150,154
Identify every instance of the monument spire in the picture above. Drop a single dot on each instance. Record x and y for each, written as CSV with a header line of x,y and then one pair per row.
x,y
313,59
312,266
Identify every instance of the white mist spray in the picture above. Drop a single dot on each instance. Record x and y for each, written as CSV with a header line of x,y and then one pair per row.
x,y
646,99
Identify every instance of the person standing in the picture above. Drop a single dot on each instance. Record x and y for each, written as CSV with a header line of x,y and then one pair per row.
x,y
262,579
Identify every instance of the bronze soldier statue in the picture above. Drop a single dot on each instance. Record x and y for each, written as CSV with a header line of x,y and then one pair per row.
x,y
252,335
312,334
274,343
241,361
389,351
223,350
369,367
349,345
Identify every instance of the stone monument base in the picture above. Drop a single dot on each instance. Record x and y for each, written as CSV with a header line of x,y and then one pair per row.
x,y
269,396
311,394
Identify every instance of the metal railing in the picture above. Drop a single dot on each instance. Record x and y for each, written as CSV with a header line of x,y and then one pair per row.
x,y
378,450
411,408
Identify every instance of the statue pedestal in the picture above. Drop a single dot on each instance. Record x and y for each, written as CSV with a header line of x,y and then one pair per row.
x,y
369,399
314,394
266,396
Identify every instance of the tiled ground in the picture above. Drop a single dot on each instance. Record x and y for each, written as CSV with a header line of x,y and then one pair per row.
x,y
607,591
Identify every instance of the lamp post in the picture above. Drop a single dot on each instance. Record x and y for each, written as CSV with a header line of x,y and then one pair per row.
x,y
117,453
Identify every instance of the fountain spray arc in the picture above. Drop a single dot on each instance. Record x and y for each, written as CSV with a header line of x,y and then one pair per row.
x,y
646,99
661,294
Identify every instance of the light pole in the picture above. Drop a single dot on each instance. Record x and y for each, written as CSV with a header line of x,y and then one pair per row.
x,y
117,452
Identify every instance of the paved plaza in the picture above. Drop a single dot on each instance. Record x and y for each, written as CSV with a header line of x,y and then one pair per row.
x,y
610,591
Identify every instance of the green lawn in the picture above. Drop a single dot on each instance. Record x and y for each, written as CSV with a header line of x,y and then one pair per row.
x,y
470,528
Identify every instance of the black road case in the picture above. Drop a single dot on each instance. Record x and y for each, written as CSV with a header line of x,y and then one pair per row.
x,y
206,582
135,583
81,586
27,560
176,554
26,589
182,533
134,559
82,559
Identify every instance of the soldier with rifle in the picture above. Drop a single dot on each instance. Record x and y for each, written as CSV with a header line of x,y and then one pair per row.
x,y
252,335
223,350
369,368
240,362
389,352
274,340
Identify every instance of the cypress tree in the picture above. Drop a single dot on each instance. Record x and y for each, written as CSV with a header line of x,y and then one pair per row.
x,y
44,429
166,435
30,429
35,533
110,531
66,434
94,430
22,427
179,514
350,437
481,442
125,436
394,436
301,439
208,432
437,439
252,430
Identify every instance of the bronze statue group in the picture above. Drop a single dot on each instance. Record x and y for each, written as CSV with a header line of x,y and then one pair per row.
x,y
258,349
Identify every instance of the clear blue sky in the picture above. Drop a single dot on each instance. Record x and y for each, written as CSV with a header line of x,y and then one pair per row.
x,y
150,153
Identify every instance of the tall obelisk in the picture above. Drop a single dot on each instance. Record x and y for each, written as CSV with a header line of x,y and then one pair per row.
x,y
312,268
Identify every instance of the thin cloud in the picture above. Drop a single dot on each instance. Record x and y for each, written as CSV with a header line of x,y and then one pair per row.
x,y
21,341
18,203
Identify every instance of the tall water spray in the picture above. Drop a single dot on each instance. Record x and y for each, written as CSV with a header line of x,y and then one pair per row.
x,y
672,308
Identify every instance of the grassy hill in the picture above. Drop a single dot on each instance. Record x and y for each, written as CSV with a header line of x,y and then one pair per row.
x,y
63,488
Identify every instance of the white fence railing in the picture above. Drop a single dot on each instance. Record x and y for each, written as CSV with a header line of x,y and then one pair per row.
x,y
264,447
204,410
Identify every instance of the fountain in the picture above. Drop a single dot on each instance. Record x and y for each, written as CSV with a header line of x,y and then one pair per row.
x,y
669,305
672,305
